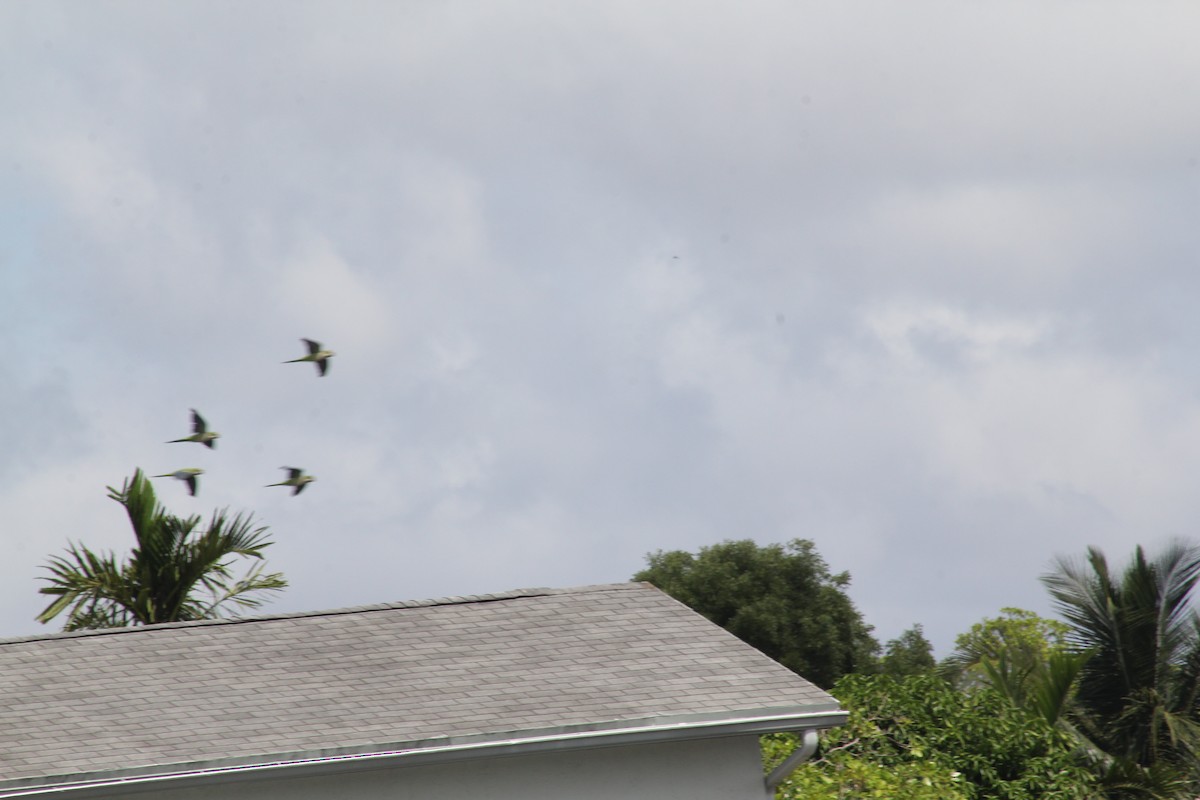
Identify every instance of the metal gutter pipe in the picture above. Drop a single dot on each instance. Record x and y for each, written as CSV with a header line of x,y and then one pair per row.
x,y
801,754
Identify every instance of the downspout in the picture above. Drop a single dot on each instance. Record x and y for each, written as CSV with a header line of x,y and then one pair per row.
x,y
801,754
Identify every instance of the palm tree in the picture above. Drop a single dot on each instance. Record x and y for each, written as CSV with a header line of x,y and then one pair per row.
x,y
1020,654
175,573
1136,696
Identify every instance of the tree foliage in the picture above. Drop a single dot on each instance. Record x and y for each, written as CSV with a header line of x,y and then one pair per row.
x,y
920,738
841,775
908,654
781,599
1138,694
1020,637
175,573
1023,656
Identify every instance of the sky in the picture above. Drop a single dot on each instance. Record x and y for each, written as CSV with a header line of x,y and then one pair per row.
x,y
916,282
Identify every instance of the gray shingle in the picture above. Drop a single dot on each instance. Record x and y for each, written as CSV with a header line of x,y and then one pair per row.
x,y
168,696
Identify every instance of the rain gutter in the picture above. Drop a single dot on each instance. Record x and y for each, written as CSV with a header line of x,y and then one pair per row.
x,y
314,764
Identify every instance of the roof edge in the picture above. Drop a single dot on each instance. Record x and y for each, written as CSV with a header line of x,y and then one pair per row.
x,y
445,749
515,594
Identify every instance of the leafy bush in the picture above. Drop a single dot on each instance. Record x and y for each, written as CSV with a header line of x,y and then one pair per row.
x,y
920,738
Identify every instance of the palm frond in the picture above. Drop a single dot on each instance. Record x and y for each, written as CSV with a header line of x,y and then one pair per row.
x,y
1052,689
244,592
172,562
1137,692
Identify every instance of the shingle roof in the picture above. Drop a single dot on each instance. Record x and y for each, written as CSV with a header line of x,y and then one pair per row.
x,y
167,698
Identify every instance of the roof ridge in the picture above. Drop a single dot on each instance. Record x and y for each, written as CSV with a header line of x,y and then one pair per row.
x,y
513,594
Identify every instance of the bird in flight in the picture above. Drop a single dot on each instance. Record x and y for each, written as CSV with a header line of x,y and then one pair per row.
x,y
316,355
296,478
187,475
200,432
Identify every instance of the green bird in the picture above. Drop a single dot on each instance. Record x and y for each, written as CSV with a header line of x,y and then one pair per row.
x,y
316,355
200,432
296,478
187,475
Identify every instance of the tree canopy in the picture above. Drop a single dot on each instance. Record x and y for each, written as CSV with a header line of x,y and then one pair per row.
x,y
1105,703
1138,693
176,572
1019,637
781,599
908,654
919,738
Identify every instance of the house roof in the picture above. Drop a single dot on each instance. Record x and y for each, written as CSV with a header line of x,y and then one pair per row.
x,y
394,679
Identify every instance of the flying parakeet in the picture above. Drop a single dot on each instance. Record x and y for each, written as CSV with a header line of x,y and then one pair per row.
x,y
187,475
200,432
316,355
296,478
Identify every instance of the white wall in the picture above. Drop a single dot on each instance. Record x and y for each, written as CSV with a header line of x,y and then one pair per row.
x,y
709,769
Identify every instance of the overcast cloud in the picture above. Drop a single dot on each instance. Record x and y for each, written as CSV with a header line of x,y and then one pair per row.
x,y
915,281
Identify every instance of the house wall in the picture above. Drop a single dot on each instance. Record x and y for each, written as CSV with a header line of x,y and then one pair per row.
x,y
708,769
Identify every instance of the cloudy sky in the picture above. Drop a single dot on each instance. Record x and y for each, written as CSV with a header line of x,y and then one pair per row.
x,y
915,281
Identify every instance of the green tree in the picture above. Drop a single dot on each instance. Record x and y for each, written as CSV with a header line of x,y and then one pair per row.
x,y
782,600
175,573
1139,692
1024,657
1022,638
909,654
920,738
838,774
